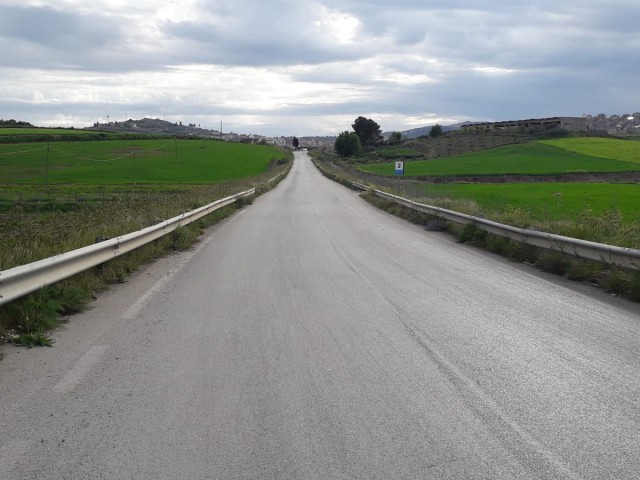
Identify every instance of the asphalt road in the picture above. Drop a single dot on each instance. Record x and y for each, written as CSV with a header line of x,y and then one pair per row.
x,y
312,336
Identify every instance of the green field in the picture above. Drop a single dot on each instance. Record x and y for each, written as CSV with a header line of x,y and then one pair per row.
x,y
537,158
625,150
546,201
60,196
43,131
119,162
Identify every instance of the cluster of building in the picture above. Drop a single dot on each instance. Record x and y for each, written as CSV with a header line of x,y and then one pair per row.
x,y
613,125
158,126
303,142
625,124
573,124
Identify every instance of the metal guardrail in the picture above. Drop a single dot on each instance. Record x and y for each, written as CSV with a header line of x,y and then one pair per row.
x,y
19,281
281,174
600,252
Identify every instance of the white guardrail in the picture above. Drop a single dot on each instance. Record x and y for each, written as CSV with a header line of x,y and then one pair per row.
x,y
600,252
19,281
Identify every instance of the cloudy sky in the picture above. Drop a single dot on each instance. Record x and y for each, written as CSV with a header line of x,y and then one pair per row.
x,y
303,67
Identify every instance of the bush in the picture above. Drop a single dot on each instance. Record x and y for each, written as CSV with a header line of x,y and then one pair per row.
x,y
553,262
33,315
472,235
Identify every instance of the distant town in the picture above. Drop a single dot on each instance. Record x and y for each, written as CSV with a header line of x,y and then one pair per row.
x,y
162,127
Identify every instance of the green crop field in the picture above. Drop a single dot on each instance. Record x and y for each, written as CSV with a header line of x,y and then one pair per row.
x,y
535,158
546,201
132,162
43,131
60,196
625,150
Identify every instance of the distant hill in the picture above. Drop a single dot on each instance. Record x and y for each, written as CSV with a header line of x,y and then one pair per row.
x,y
422,131
154,126
624,124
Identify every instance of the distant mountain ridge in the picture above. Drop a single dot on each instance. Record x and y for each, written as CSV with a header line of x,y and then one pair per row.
x,y
422,131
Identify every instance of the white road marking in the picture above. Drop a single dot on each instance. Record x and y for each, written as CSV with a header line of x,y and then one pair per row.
x,y
134,310
81,369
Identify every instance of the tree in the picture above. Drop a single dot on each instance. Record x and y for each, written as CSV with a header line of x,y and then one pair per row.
x,y
295,142
368,131
395,138
348,144
436,131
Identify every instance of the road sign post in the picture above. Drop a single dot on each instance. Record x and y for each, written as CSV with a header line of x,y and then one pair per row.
x,y
399,168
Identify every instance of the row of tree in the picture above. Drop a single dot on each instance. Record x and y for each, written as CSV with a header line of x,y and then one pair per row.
x,y
368,134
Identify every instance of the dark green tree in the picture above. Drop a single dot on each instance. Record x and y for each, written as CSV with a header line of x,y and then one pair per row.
x,y
368,131
295,142
348,144
436,131
395,138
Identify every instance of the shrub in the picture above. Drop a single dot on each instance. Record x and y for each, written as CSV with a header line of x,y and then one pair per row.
x,y
553,262
472,235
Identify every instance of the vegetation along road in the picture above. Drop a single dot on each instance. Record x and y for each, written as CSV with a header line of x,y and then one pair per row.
x,y
313,336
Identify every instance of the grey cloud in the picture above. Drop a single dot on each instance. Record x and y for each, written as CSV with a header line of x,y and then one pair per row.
x,y
208,43
56,29
43,37
564,57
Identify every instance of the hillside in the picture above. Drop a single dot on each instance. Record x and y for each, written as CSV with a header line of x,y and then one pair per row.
x,y
624,124
423,131
459,144
154,126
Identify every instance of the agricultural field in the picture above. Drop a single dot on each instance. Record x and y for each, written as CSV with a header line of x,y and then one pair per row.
x,y
123,162
625,150
544,201
57,197
43,131
552,157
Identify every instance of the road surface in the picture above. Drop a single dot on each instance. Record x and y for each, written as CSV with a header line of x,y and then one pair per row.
x,y
311,336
